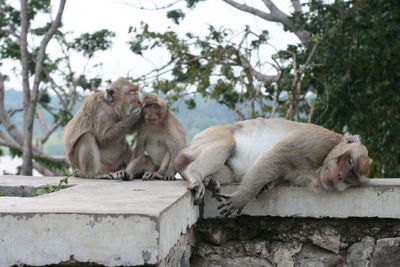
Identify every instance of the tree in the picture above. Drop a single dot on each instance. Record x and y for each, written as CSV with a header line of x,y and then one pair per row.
x,y
45,73
232,72
358,81
341,59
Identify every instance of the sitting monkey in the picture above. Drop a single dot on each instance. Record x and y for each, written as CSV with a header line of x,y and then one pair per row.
x,y
94,139
160,137
258,152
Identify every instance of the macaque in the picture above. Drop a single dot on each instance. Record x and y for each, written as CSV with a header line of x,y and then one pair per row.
x,y
160,137
261,152
94,138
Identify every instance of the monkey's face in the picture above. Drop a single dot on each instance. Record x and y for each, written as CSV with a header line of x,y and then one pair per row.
x,y
347,165
132,95
152,113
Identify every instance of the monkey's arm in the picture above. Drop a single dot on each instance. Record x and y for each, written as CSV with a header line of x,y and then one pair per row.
x,y
121,128
266,169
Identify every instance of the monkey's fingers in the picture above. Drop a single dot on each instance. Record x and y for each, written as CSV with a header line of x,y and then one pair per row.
x,y
119,175
227,211
147,176
224,196
169,178
224,204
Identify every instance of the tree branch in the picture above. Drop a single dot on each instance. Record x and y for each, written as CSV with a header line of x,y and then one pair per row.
x,y
297,6
275,15
12,130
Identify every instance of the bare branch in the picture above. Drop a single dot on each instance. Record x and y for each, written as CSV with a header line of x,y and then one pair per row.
x,y
43,170
259,76
42,121
12,130
275,15
140,6
12,111
42,50
51,130
10,32
251,10
297,6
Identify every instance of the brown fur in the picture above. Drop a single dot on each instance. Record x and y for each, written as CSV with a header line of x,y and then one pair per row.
x,y
260,152
94,139
158,141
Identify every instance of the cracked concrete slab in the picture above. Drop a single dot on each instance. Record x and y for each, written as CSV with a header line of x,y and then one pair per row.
x,y
105,222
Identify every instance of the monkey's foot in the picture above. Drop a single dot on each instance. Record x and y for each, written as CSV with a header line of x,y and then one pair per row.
x,y
212,185
199,189
105,176
168,178
232,203
120,175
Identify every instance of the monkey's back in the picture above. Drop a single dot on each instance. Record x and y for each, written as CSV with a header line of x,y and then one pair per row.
x,y
82,122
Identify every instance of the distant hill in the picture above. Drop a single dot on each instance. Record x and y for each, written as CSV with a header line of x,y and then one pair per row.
x,y
206,113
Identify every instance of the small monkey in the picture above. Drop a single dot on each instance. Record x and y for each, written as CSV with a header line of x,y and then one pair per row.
x,y
94,138
260,152
160,137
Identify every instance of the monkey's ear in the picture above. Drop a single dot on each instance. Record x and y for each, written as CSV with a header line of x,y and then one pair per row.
x,y
109,95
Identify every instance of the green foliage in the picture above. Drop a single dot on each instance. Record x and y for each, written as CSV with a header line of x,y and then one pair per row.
x,y
358,83
54,188
88,43
209,66
176,15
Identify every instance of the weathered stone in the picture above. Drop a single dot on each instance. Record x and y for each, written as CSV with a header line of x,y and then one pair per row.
x,y
234,262
327,238
387,253
359,254
312,256
179,254
283,253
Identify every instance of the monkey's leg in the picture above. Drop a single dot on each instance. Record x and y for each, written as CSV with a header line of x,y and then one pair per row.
x,y
266,169
141,164
89,158
212,182
211,160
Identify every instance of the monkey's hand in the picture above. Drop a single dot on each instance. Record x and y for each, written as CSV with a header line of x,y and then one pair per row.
x,y
233,202
156,176
212,185
199,189
135,115
120,175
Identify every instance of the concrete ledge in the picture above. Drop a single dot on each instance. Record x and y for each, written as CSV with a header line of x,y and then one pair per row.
x,y
379,198
117,223
112,223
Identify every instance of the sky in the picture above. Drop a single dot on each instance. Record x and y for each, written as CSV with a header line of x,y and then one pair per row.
x,y
117,15
82,16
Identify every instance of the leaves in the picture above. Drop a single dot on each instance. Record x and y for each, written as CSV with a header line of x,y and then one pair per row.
x,y
88,43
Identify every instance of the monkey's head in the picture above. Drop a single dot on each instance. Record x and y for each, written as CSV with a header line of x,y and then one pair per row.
x,y
155,109
124,93
347,165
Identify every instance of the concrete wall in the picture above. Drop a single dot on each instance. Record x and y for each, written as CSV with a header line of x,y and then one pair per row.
x,y
115,223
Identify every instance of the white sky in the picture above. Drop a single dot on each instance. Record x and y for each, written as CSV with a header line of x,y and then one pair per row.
x,y
117,15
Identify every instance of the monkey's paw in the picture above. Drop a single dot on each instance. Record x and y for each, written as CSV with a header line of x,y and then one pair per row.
x,y
136,113
199,189
232,203
148,176
212,185
169,178
120,175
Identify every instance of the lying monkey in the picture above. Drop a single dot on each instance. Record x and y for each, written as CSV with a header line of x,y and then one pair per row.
x,y
259,152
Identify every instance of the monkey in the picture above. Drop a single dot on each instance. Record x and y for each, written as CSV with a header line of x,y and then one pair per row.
x,y
160,137
261,152
94,139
